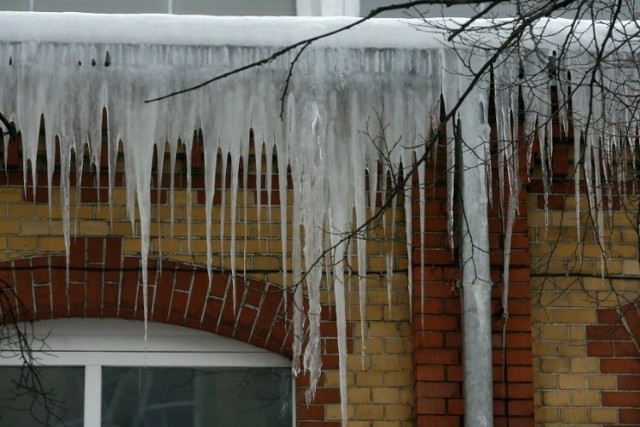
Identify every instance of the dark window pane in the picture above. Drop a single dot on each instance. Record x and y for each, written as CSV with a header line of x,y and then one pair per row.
x,y
233,397
22,402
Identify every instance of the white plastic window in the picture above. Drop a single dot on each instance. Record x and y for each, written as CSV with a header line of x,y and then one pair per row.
x,y
102,372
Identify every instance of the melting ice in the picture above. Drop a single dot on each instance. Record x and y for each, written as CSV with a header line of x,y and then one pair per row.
x,y
69,67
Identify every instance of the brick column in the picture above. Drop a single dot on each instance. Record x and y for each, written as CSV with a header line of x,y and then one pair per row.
x,y
437,317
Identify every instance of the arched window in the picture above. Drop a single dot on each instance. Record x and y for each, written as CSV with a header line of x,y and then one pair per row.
x,y
102,372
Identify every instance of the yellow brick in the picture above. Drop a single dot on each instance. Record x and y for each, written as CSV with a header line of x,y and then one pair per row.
x,y
392,346
538,250
577,333
9,226
168,245
406,396
333,412
556,365
372,345
11,195
578,315
382,362
542,316
265,263
333,378
105,212
612,267
601,382
554,332
23,243
398,412
547,414
541,349
83,212
93,228
397,378
369,412
586,398
550,300
580,299
585,365
372,378
131,245
566,250
625,285
373,312
357,395
604,415
571,382
574,415
385,395
51,244
18,210
383,329
571,349
120,228
556,398
629,267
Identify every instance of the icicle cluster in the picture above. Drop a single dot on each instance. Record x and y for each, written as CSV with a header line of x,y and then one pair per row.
x,y
385,70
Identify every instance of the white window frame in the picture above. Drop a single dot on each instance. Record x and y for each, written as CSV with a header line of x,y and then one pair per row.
x,y
93,343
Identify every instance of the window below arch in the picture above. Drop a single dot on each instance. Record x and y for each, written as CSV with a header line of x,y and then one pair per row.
x,y
102,372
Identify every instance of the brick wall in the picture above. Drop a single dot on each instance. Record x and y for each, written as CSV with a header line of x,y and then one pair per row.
x,y
437,353
584,359
104,277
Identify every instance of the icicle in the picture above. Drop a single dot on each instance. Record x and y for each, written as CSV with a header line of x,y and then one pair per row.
x,y
235,165
450,95
210,164
318,143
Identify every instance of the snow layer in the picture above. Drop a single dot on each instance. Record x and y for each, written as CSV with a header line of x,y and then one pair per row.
x,y
383,77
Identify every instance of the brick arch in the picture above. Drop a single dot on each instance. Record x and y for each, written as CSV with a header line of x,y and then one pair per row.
x,y
103,282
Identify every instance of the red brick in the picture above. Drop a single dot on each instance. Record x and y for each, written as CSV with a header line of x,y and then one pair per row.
x,y
429,373
430,406
519,374
521,407
438,420
437,322
606,332
626,349
628,382
520,390
437,357
42,299
455,407
621,398
434,389
622,366
629,416
600,349
428,340
95,250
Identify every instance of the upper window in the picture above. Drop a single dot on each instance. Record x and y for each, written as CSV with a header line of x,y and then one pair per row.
x,y
102,372
196,7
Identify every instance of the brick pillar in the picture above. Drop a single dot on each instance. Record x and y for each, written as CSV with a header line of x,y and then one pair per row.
x,y
437,316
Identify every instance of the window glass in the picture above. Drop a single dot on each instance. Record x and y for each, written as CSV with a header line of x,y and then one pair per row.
x,y
61,405
187,397
101,6
235,7
185,7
